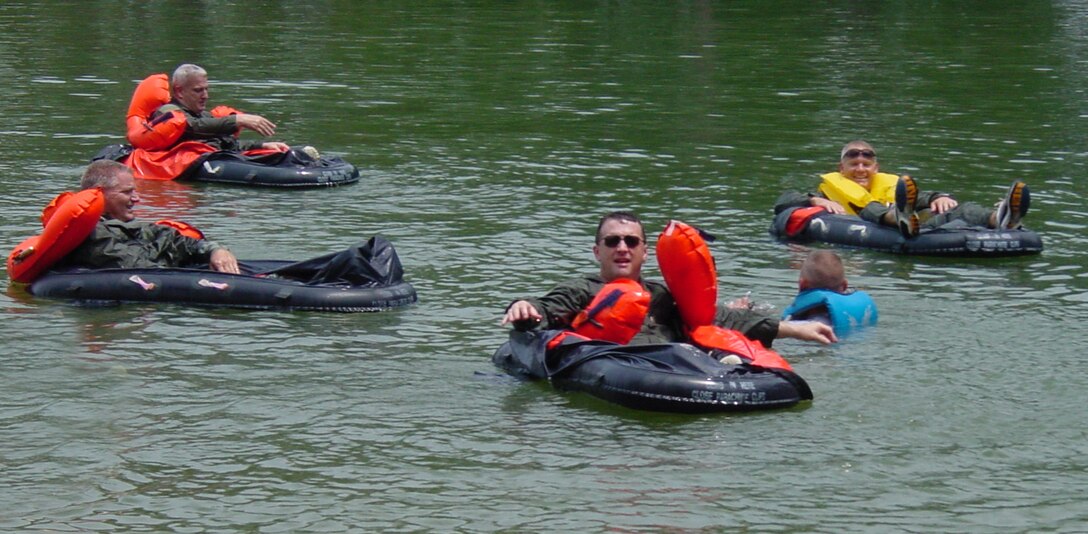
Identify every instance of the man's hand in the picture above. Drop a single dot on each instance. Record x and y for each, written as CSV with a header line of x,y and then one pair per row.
x,y
223,261
276,145
256,123
830,205
807,331
942,204
521,310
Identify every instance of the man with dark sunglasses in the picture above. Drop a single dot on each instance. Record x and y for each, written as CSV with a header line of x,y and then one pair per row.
x,y
859,188
621,249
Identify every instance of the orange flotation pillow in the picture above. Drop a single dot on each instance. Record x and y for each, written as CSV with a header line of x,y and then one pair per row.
x,y
164,130
710,337
616,314
223,111
166,164
51,208
69,219
183,228
800,218
689,272
692,279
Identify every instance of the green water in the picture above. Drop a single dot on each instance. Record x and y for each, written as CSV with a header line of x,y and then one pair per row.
x,y
490,136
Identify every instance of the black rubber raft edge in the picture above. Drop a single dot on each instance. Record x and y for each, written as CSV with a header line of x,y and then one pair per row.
x,y
953,239
209,288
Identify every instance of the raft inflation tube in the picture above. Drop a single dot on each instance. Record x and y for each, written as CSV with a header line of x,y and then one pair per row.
x,y
665,377
369,278
957,238
201,287
366,277
154,151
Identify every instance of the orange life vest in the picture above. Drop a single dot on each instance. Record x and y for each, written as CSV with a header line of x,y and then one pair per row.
x,y
616,314
68,220
162,132
183,228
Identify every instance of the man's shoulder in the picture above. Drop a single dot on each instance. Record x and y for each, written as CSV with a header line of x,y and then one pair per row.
x,y
168,107
130,229
104,221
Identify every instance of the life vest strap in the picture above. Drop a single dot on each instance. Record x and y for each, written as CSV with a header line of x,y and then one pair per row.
x,y
616,313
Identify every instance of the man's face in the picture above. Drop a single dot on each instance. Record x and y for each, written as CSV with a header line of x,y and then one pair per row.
x,y
621,260
121,198
193,93
859,164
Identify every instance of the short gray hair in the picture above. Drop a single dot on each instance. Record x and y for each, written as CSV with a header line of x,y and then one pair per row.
x,y
185,72
102,173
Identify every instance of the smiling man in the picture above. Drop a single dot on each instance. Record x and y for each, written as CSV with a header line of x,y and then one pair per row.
x,y
620,248
859,188
119,241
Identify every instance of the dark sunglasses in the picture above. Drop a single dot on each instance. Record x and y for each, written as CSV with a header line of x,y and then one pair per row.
x,y
856,152
613,241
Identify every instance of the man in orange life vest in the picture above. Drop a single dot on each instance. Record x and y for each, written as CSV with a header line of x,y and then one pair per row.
x,y
189,92
621,249
118,241
894,201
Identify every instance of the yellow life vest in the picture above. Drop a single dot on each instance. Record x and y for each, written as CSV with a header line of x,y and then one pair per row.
x,y
854,197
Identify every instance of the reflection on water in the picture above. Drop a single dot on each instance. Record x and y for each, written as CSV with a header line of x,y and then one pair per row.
x,y
490,138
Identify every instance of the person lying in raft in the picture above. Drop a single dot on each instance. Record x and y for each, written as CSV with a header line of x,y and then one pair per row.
x,y
189,95
825,295
621,250
859,188
120,242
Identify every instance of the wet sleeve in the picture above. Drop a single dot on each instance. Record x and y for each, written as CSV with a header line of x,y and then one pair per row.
x,y
927,197
757,326
561,304
208,125
792,199
170,247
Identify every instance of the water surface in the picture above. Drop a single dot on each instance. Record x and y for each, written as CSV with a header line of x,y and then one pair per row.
x,y
490,138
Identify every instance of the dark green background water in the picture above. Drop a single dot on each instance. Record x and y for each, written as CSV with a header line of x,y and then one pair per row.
x,y
491,135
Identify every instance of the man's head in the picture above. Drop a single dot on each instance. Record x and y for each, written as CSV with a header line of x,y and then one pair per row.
x,y
621,246
190,87
857,161
822,270
118,187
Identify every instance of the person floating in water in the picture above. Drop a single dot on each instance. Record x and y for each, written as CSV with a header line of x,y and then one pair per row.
x,y
859,188
824,295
